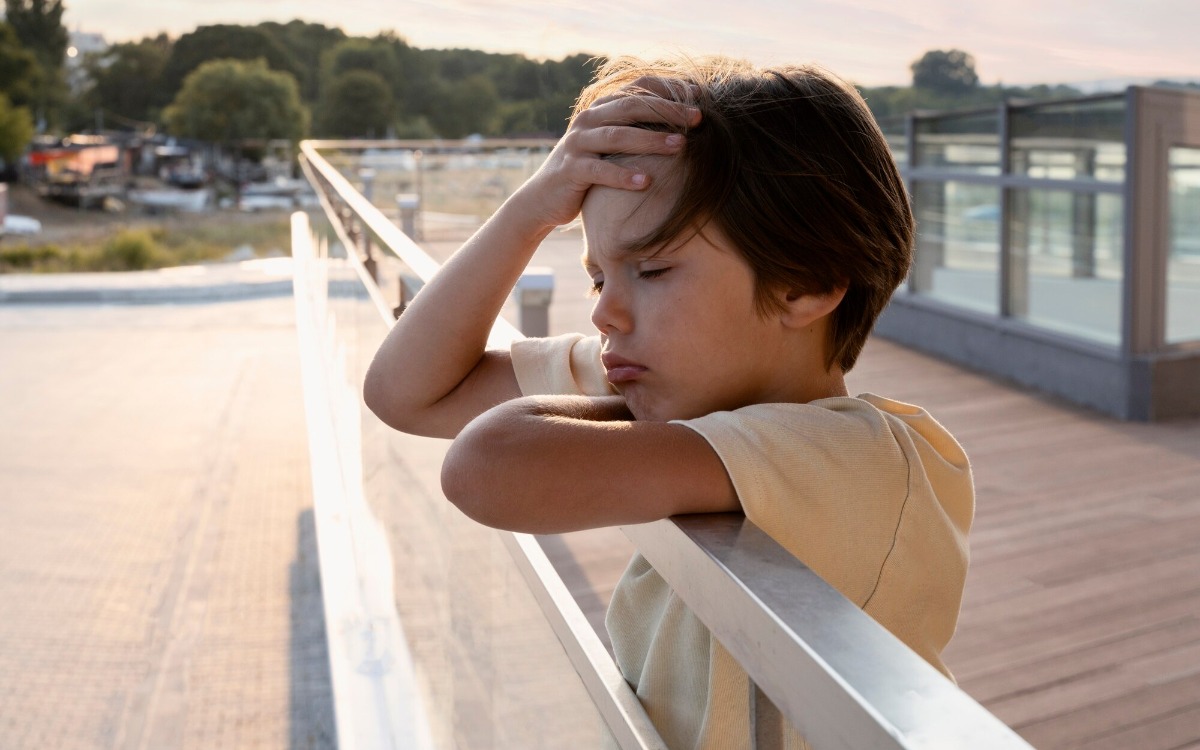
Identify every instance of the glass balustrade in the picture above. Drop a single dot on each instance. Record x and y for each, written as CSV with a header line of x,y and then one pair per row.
x,y
1183,257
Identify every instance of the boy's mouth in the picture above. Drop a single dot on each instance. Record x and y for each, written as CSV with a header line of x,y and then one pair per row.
x,y
621,370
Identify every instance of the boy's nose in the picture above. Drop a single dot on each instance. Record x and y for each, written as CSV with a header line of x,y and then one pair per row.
x,y
610,314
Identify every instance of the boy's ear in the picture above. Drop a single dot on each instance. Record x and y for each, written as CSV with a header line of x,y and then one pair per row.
x,y
802,309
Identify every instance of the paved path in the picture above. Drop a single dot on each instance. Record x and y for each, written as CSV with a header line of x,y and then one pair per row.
x,y
158,572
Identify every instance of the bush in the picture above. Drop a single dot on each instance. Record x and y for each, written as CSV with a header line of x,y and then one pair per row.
x,y
131,250
140,248
25,257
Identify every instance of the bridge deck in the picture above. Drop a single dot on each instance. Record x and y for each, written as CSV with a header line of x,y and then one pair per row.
x,y
158,572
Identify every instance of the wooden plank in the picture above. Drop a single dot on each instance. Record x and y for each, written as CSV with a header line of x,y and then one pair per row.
x,y
1155,717
1085,661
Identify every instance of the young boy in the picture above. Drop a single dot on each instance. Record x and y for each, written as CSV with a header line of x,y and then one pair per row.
x,y
743,230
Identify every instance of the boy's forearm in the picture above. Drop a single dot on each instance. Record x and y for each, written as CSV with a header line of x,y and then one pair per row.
x,y
443,333
563,463
507,468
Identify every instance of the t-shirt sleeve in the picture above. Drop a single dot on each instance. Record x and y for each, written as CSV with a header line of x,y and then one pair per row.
x,y
827,482
567,365
874,495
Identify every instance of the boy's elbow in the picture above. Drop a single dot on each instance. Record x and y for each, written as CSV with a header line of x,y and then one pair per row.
x,y
380,401
478,476
465,478
382,393
376,397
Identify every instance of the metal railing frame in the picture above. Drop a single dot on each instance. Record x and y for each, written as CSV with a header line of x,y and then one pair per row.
x,y
837,675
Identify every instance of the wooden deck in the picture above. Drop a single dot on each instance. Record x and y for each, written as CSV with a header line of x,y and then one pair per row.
x,y
1081,621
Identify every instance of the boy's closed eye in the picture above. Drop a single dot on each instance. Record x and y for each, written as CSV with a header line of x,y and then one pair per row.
x,y
652,273
646,274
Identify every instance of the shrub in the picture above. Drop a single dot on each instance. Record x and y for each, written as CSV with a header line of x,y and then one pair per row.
x,y
28,258
131,250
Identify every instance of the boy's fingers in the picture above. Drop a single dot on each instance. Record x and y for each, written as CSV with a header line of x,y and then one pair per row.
x,y
595,171
621,139
623,109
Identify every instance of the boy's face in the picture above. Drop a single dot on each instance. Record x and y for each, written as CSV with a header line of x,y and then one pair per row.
x,y
682,336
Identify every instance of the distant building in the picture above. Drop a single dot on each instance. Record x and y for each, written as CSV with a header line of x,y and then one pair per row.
x,y
81,44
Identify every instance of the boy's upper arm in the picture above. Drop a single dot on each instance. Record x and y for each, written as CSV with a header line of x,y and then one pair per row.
x,y
538,465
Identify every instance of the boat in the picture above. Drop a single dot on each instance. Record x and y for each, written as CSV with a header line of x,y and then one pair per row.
x,y
171,199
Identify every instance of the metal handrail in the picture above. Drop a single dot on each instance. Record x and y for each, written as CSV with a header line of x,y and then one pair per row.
x,y
833,672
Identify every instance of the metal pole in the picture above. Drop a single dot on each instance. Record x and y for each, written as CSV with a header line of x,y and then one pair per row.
x,y
409,204
535,289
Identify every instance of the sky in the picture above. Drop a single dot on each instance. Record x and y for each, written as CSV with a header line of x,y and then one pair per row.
x,y
870,42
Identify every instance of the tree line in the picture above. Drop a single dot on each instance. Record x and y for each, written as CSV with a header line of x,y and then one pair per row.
x,y
947,79
230,83
306,79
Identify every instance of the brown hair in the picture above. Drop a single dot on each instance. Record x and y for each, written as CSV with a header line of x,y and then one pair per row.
x,y
791,167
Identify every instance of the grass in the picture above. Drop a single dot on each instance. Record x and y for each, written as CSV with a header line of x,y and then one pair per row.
x,y
146,247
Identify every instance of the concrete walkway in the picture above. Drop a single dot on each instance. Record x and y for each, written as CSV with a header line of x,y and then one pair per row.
x,y
158,571
208,282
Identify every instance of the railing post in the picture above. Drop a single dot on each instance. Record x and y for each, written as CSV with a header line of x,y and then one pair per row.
x,y
534,291
409,204
369,262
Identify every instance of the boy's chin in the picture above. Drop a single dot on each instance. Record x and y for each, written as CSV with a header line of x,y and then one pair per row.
x,y
643,411
656,411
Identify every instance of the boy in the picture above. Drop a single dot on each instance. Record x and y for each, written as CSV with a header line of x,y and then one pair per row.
x,y
743,230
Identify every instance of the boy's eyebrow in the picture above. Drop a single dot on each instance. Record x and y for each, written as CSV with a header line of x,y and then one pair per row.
x,y
623,250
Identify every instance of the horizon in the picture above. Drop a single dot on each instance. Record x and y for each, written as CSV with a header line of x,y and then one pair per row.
x,y
1021,43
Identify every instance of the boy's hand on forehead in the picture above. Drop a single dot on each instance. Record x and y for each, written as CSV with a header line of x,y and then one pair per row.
x,y
613,125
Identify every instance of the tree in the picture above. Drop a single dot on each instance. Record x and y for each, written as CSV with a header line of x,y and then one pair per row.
x,y
38,25
228,101
20,73
466,107
947,72
127,78
16,130
389,57
360,54
356,104
224,42
306,44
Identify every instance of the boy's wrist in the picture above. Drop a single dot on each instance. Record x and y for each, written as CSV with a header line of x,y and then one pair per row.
x,y
521,216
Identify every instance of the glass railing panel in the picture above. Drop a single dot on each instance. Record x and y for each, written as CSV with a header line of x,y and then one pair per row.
x,y
489,671
966,142
1068,261
1082,140
1183,256
454,185
958,244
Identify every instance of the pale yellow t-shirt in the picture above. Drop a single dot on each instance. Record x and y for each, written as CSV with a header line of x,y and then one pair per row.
x,y
872,494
